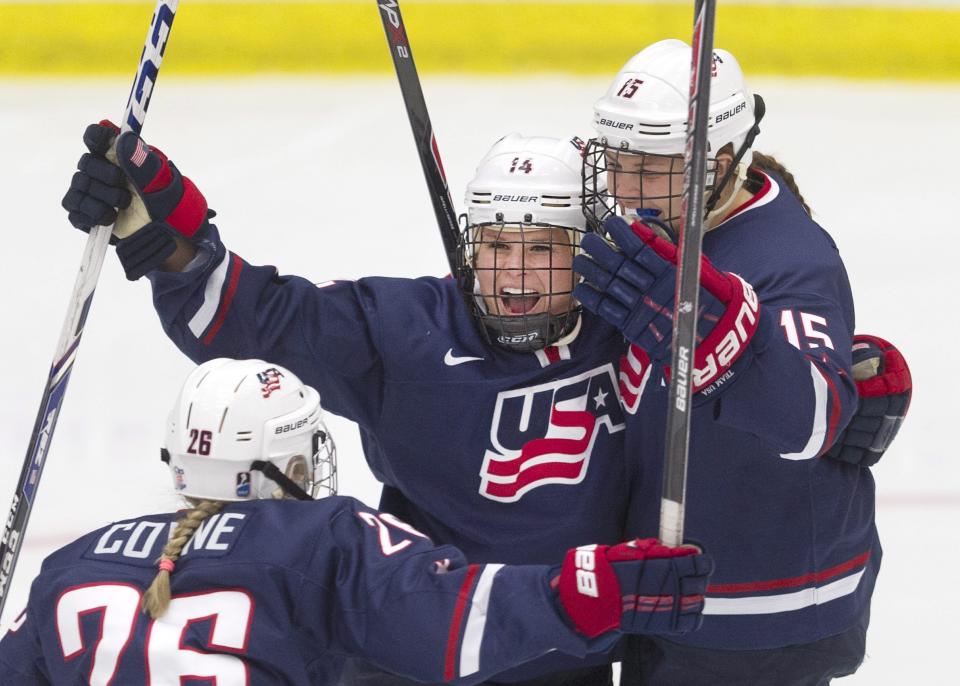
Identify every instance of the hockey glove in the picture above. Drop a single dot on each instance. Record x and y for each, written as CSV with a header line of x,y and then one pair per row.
x,y
640,586
124,182
885,386
633,287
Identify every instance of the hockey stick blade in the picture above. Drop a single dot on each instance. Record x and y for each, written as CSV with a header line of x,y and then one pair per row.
x,y
688,279
423,137
77,311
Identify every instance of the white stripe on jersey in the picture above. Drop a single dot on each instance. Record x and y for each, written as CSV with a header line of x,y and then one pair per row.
x,y
211,298
476,620
819,431
783,602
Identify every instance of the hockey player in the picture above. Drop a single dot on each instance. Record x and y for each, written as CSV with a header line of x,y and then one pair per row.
x,y
798,551
494,426
250,586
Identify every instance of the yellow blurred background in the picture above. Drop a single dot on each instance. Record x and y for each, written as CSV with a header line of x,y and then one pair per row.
x,y
838,39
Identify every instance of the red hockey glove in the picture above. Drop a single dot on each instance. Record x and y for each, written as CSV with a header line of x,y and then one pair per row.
x,y
640,586
885,386
633,287
123,181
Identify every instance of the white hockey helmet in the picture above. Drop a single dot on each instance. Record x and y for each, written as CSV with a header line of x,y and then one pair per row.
x,y
645,112
528,180
247,430
525,184
645,108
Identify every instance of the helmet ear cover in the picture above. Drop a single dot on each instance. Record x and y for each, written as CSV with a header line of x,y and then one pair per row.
x,y
759,109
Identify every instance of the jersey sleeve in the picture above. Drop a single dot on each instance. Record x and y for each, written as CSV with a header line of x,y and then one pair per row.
x,y
223,306
423,612
21,659
797,392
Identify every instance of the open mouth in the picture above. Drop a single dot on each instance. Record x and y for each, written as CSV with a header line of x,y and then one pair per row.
x,y
518,300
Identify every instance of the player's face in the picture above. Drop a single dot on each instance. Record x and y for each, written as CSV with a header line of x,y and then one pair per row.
x,y
524,271
651,182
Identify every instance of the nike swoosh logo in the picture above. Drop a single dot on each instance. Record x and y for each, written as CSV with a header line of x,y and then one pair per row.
x,y
452,361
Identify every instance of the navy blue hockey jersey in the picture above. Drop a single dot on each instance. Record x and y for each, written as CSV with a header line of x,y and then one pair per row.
x,y
279,592
793,535
513,457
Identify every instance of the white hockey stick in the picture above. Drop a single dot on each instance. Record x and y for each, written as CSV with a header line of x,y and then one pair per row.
x,y
79,307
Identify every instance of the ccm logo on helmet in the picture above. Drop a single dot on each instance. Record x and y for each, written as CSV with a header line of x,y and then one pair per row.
x,y
616,124
585,560
730,113
290,427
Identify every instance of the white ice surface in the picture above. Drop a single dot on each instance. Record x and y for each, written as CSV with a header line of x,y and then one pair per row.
x,y
319,176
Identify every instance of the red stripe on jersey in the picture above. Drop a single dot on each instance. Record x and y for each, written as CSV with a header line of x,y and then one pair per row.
x,y
236,266
834,411
767,185
774,584
453,638
553,353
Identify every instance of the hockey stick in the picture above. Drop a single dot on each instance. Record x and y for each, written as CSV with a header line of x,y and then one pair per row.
x,y
426,144
688,278
79,307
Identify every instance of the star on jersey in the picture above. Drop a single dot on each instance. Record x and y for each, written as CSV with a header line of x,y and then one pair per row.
x,y
600,399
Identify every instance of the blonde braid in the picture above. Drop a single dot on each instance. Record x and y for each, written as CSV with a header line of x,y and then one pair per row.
x,y
157,598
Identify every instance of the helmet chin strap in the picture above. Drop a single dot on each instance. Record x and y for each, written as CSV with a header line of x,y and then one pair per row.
x,y
716,214
568,338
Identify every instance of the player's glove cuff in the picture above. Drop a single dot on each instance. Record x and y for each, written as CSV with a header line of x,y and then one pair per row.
x,y
885,386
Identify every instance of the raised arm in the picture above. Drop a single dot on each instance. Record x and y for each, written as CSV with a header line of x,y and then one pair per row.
x,y
210,301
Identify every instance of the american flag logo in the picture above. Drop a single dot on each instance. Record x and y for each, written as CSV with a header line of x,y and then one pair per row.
x,y
545,434
139,155
269,381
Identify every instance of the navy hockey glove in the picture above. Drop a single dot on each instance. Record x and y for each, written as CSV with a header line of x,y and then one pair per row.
x,y
633,287
885,386
123,181
640,586
98,188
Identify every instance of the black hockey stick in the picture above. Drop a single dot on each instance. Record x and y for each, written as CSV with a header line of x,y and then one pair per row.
x,y
86,284
396,33
688,278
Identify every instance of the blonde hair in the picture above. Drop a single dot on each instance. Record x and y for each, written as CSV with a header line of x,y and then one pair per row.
x,y
156,600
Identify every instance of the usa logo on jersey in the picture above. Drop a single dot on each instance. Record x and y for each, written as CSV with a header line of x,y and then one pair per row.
x,y
545,434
